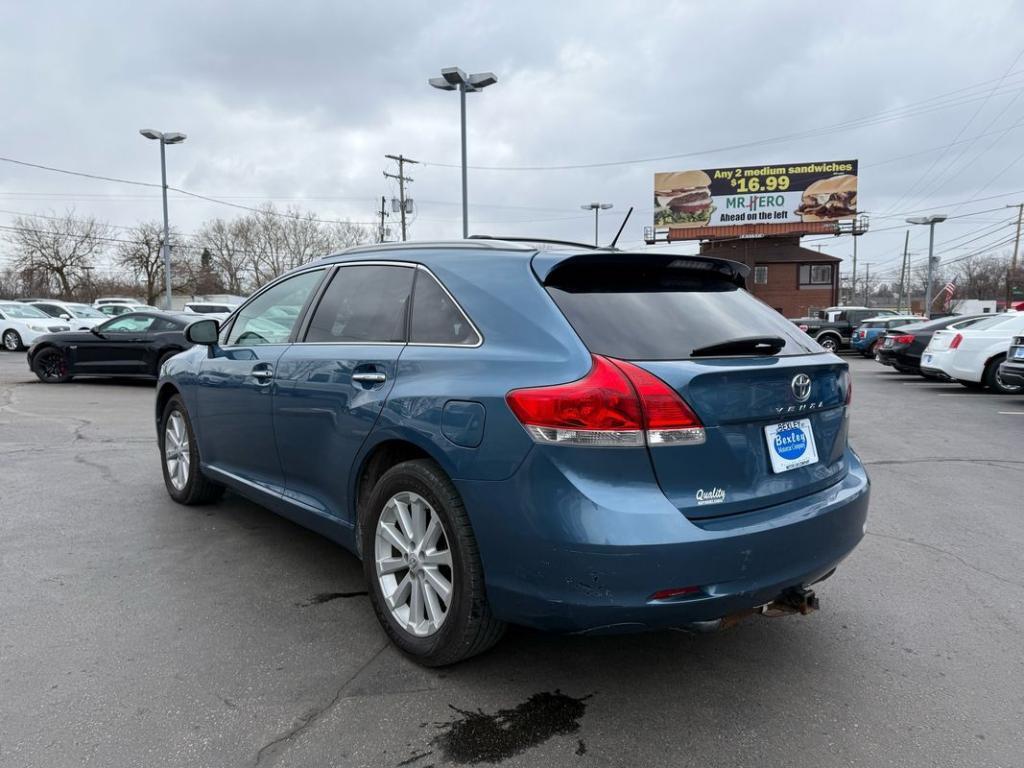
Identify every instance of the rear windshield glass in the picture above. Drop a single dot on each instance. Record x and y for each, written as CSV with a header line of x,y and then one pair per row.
x,y
640,309
991,322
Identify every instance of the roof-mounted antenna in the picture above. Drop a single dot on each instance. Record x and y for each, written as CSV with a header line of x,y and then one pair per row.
x,y
628,214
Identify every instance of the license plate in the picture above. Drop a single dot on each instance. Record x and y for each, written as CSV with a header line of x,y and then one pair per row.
x,y
887,343
1018,352
791,445
926,359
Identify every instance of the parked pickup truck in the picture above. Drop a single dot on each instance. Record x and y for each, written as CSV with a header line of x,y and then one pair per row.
x,y
833,327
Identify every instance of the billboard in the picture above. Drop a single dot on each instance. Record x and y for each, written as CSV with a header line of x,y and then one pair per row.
x,y
789,194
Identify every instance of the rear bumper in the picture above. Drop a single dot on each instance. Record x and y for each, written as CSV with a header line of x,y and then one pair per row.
x,y
569,553
1012,373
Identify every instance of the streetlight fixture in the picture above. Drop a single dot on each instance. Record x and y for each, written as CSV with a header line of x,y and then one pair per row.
x,y
931,221
452,79
164,139
596,208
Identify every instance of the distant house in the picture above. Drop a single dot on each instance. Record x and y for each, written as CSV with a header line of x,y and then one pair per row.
x,y
788,277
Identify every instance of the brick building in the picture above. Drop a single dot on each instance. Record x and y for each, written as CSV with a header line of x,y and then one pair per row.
x,y
792,279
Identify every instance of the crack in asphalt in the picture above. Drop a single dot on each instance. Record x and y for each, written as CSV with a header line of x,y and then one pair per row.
x,y
104,470
941,551
937,460
315,714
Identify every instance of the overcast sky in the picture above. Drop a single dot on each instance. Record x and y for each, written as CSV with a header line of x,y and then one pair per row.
x,y
298,102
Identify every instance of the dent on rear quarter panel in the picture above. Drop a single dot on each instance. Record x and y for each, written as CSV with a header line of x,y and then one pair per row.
x,y
527,343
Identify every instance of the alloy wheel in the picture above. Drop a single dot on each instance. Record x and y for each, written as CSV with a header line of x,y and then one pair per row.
x,y
177,453
11,341
50,365
413,563
1009,389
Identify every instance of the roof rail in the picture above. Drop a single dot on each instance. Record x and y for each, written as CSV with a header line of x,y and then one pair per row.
x,y
513,239
421,244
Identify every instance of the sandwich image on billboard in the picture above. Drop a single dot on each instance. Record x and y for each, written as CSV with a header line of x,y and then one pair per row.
x,y
790,193
831,198
682,199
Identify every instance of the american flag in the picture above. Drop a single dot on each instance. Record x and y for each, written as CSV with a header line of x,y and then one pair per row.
x,y
949,290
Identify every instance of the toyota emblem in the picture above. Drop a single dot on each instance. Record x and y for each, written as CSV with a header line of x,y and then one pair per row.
x,y
801,385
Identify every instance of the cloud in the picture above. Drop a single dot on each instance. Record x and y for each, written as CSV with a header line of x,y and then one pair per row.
x,y
300,102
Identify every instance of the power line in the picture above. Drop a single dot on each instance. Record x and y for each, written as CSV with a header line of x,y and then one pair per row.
x,y
963,128
912,110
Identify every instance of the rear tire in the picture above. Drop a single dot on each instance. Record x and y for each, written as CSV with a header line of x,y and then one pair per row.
x,y
829,342
180,460
995,383
50,366
420,492
12,340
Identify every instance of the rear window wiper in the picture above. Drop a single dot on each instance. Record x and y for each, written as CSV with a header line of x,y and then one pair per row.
x,y
747,345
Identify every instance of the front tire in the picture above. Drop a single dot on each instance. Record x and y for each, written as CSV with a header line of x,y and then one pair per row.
x,y
50,366
422,564
179,457
995,382
12,340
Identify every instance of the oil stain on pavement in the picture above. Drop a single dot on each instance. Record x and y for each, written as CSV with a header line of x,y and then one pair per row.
x,y
481,737
326,597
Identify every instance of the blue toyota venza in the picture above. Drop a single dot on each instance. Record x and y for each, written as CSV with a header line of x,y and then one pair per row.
x,y
568,438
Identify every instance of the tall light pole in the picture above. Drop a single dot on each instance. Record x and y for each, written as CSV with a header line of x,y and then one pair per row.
x,y
164,139
931,221
596,208
452,79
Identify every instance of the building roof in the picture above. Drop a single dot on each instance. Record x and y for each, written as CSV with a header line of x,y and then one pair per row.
x,y
771,250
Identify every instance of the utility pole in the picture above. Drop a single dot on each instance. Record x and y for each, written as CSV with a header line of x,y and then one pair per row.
x,y
402,179
867,280
853,285
1016,242
904,272
383,213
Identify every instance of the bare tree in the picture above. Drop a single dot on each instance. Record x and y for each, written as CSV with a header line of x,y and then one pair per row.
x,y
57,250
225,242
142,255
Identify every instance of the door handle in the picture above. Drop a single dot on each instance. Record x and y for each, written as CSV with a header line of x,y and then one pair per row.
x,y
263,375
370,377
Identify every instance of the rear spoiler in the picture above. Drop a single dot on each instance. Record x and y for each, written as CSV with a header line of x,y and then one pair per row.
x,y
545,263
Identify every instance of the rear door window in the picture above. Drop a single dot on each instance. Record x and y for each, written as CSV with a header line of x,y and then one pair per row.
x,y
436,318
364,304
643,308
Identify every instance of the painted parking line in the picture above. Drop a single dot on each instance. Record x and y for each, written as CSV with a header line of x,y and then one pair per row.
x,y
1010,413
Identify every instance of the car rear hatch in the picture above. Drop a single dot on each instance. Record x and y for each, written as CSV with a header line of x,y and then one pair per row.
x,y
772,404
941,341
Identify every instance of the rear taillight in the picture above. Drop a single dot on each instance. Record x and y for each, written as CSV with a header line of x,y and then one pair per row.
x,y
905,339
616,404
956,341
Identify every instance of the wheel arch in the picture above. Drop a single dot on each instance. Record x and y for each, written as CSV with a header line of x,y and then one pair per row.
x,y
166,391
378,457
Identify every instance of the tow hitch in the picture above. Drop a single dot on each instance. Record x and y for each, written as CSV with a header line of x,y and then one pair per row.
x,y
797,600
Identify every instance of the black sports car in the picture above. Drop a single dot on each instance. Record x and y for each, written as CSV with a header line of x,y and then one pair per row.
x,y
134,344
902,347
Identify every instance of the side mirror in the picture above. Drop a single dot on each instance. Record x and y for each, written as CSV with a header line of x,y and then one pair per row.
x,y
65,316
202,332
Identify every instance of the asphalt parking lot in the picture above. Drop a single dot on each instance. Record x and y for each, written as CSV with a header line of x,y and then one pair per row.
x,y
137,632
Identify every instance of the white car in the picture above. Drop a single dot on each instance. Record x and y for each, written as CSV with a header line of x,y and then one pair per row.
x,y
973,355
115,308
81,317
214,310
21,324
114,300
